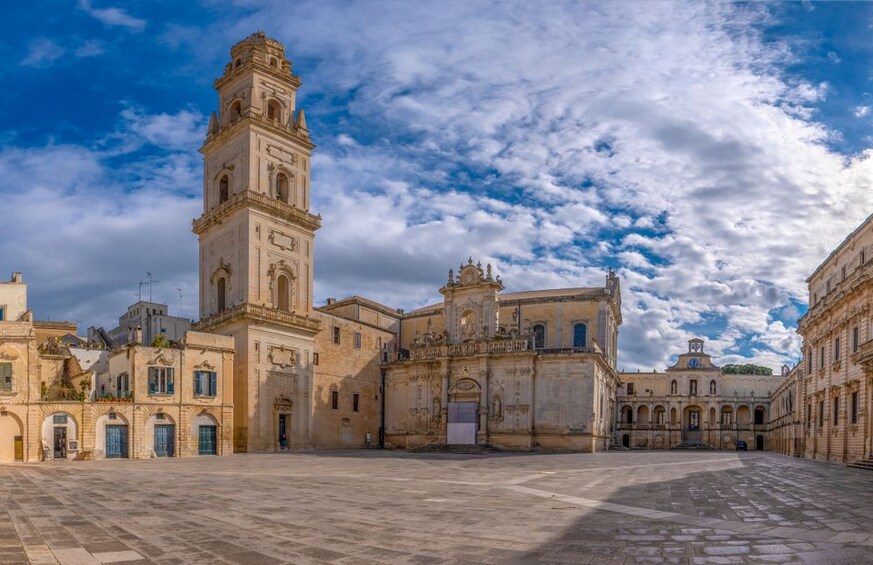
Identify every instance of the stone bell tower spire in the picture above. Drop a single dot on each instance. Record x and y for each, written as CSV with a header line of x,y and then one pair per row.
x,y
256,242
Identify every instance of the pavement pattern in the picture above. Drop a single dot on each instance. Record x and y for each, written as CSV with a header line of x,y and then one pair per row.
x,y
375,506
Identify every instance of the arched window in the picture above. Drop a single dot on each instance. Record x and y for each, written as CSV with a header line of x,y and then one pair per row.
x,y
222,295
283,293
539,331
274,62
237,63
273,110
223,190
468,325
673,387
282,187
235,110
712,387
580,335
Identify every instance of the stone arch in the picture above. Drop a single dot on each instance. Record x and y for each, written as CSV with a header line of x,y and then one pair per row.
x,y
673,415
282,278
660,415
56,435
465,389
274,110
224,189
234,110
744,416
627,415
153,425
727,416
206,440
643,414
108,417
692,416
760,415
11,428
220,279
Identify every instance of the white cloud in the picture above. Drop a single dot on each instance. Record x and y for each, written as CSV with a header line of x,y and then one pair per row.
x,y
113,16
42,52
89,48
861,111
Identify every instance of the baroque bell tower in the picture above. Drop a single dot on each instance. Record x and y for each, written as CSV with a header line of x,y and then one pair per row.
x,y
256,239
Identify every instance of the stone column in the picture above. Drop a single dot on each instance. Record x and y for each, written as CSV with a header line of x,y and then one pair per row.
x,y
444,410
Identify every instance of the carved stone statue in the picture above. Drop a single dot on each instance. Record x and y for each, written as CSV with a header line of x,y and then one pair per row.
x,y
437,410
496,409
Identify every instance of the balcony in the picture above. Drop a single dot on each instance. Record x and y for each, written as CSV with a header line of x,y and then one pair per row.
x,y
260,201
469,349
261,314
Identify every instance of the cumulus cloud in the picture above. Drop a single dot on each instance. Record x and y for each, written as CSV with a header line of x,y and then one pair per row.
x,y
42,52
113,16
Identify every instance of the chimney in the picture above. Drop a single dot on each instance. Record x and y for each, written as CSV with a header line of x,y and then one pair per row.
x,y
330,301
16,277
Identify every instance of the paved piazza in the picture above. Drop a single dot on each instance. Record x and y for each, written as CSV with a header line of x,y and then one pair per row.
x,y
389,507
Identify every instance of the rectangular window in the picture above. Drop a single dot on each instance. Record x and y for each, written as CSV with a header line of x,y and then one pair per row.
x,y
837,349
855,407
357,340
821,357
336,335
863,258
809,361
315,358
856,340
205,383
836,411
60,419
809,415
820,413
6,377
692,388
2,314
161,380
630,388
844,272
334,399
355,400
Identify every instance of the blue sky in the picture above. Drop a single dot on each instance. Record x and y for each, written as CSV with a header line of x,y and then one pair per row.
x,y
712,154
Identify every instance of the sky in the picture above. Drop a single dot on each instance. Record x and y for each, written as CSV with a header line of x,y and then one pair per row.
x,y
712,154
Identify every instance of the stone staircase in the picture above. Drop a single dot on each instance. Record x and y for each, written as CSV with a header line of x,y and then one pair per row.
x,y
863,464
446,448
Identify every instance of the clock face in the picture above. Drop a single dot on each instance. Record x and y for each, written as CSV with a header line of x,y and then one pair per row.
x,y
694,362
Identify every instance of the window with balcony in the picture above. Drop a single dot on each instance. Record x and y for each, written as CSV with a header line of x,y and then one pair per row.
x,y
539,331
161,380
630,388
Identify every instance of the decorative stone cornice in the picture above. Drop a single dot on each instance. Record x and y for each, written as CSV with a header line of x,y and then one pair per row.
x,y
258,313
250,198
288,132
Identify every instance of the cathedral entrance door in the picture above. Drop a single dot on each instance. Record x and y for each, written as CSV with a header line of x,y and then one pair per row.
x,y
462,423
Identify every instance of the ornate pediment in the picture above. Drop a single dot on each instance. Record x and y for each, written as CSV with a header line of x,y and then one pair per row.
x,y
205,366
282,265
283,357
161,360
8,356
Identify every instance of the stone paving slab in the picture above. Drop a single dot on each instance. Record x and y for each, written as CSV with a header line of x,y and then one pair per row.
x,y
393,507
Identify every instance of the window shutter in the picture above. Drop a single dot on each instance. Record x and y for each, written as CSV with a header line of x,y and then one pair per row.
x,y
170,388
198,387
213,383
152,381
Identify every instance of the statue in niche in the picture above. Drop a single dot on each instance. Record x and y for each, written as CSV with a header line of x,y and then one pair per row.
x,y
416,339
437,410
496,409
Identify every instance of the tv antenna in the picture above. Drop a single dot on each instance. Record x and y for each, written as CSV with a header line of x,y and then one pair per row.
x,y
150,283
141,284
180,302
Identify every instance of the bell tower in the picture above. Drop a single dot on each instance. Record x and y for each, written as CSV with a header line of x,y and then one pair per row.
x,y
256,239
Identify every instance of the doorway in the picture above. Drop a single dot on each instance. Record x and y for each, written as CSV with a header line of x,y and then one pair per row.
x,y
116,442
759,443
164,440
625,440
283,427
206,444
462,423
60,442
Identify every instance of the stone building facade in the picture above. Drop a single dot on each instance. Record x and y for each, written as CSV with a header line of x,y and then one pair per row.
x,y
522,370
59,401
836,376
694,403
787,431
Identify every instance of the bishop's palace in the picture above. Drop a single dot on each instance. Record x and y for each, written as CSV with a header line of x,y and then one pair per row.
x,y
265,370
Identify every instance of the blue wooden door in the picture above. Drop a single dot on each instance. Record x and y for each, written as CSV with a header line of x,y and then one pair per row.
x,y
116,442
207,440
164,440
